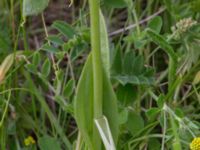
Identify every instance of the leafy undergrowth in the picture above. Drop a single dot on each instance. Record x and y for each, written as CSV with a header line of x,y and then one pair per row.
x,y
125,77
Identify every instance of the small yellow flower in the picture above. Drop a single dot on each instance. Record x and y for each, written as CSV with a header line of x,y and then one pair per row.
x,y
29,141
195,144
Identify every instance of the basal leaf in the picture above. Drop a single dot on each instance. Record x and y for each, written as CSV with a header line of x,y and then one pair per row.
x,y
105,53
34,7
84,104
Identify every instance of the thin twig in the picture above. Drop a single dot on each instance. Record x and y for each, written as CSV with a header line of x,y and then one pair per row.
x,y
134,25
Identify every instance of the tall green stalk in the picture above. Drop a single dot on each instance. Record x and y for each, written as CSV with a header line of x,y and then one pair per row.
x,y
97,65
96,57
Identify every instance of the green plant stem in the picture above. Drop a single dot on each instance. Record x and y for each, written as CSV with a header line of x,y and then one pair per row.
x,y
97,66
5,110
176,144
96,57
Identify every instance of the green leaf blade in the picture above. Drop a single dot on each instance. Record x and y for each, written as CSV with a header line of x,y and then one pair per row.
x,y
34,7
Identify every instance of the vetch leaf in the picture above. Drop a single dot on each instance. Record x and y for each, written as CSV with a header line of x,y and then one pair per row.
x,y
36,59
68,90
156,24
34,7
55,40
64,28
49,48
46,67
133,71
31,68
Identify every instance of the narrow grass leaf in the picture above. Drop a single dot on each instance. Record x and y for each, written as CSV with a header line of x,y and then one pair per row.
x,y
37,93
160,40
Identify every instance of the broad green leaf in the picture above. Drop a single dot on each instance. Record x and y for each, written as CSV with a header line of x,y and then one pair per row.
x,y
34,7
64,28
156,24
123,116
36,59
116,3
46,67
135,123
105,52
47,143
84,104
